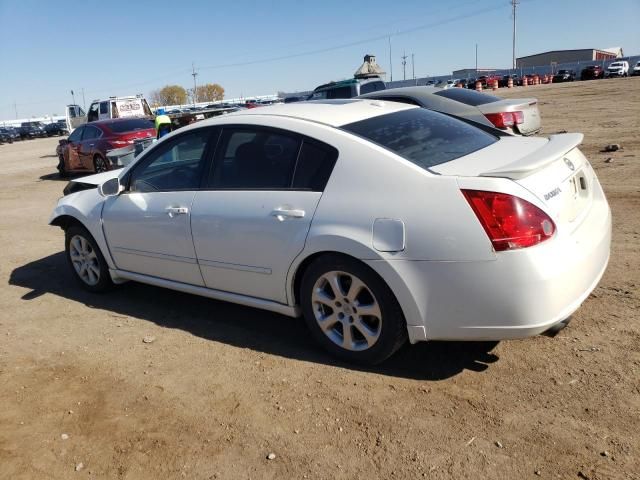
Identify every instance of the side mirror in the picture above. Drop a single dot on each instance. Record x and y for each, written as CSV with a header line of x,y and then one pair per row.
x,y
110,188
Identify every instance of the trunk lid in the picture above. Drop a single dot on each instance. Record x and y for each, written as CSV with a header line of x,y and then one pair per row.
x,y
554,170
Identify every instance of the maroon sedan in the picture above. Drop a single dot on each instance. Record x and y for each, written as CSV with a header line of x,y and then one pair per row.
x,y
86,148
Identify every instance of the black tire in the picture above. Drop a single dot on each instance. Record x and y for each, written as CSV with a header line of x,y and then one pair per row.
x,y
99,164
103,282
392,325
62,169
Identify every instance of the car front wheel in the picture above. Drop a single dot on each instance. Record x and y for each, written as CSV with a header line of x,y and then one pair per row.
x,y
350,310
86,260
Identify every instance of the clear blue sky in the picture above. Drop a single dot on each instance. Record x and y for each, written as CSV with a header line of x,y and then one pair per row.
x,y
115,47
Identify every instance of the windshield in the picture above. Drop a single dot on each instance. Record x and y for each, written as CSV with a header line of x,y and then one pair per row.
x,y
423,137
615,65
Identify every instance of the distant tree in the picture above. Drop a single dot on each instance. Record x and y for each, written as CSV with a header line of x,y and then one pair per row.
x,y
209,92
169,95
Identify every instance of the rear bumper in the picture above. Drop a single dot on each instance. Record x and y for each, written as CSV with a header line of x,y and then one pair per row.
x,y
519,294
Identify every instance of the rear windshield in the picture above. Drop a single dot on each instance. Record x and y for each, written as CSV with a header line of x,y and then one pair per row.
x,y
422,136
130,125
468,97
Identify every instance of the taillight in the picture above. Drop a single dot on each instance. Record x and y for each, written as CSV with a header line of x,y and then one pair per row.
x,y
510,222
505,119
518,117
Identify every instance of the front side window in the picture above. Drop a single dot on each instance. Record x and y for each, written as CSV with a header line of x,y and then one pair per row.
x,y
104,108
255,159
175,166
93,112
422,136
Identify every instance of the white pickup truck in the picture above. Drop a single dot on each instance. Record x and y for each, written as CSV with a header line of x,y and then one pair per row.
x,y
113,107
618,69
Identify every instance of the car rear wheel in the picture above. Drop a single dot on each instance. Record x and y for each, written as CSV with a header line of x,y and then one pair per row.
x,y
62,169
350,311
99,164
86,260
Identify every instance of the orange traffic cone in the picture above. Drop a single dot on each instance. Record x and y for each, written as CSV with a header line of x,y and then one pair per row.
x,y
495,84
525,81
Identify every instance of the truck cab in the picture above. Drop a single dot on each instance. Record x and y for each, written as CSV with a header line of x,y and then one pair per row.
x,y
119,107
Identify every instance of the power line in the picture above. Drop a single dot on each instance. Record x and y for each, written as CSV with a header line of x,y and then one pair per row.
x,y
360,42
387,35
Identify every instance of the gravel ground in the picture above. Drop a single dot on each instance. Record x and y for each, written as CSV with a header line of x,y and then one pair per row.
x,y
221,387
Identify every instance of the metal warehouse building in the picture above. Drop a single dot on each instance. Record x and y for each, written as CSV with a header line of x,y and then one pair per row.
x,y
568,56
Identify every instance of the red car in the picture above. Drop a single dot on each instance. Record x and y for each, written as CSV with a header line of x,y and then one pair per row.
x,y
86,148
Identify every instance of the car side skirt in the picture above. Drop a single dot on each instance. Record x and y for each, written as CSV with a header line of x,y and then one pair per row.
x,y
118,276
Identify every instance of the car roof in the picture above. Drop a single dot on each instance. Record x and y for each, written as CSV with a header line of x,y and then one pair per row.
x,y
335,113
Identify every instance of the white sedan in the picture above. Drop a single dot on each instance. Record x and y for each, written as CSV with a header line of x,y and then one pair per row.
x,y
377,221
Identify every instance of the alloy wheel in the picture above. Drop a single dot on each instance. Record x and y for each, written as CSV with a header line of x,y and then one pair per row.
x,y
346,310
84,260
100,165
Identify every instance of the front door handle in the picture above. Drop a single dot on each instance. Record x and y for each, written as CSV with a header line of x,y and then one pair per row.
x,y
283,213
173,211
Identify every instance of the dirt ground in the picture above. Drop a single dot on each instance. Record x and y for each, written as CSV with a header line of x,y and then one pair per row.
x,y
223,386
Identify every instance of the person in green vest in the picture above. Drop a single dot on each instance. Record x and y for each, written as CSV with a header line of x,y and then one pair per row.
x,y
162,123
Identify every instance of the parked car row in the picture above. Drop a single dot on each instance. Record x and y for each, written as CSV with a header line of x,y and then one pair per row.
x,y
28,130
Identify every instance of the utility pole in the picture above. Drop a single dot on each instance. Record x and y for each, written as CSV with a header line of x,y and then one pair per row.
x,y
84,103
73,98
514,4
404,65
195,88
476,59
15,107
413,66
390,61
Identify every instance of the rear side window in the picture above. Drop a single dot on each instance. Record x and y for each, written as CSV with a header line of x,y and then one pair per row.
x,y
340,92
90,133
104,107
422,136
468,97
131,125
314,167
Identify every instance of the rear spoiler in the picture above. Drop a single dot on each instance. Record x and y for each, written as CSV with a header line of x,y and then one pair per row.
x,y
557,146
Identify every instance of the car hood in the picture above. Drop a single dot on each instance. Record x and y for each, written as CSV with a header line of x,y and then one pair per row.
x,y
98,178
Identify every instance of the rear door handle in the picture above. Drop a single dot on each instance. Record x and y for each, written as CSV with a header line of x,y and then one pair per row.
x,y
283,213
173,211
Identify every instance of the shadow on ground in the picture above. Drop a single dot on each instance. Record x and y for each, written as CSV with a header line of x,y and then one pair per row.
x,y
242,326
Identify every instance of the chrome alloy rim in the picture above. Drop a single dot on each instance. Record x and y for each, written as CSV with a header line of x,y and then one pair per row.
x,y
346,311
100,165
84,260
